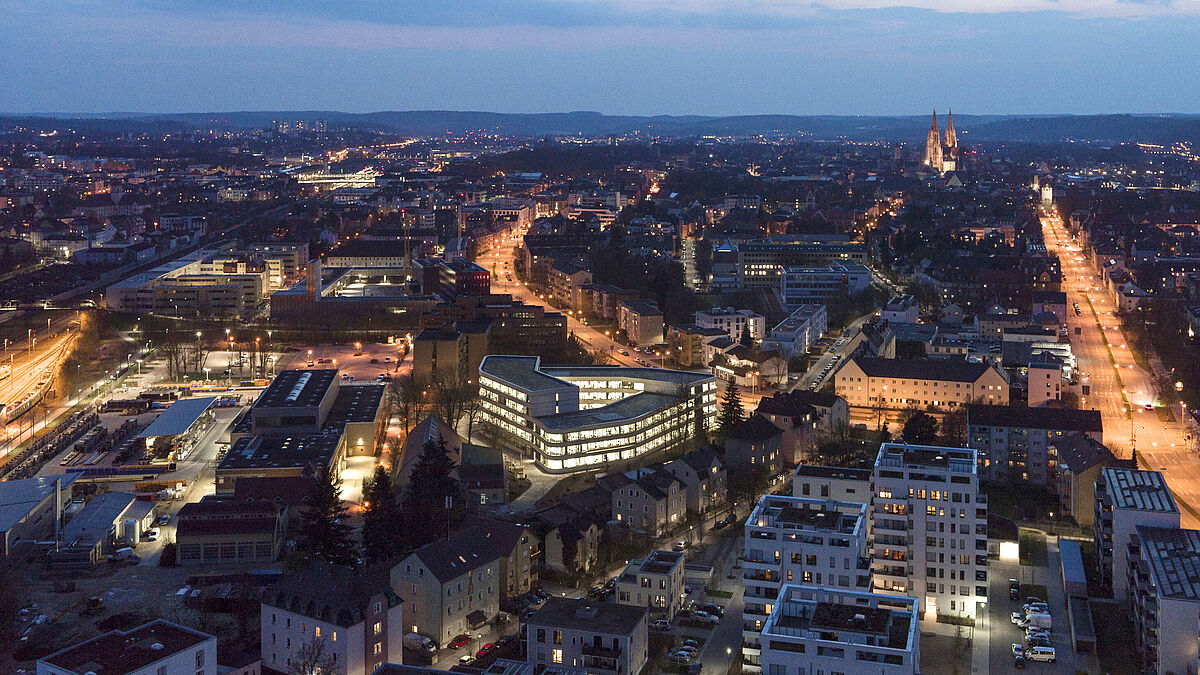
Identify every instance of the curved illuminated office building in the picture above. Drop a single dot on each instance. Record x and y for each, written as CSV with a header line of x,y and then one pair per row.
x,y
574,418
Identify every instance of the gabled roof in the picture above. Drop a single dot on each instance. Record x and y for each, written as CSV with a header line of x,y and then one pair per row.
x,y
330,593
1080,452
755,428
702,459
1058,419
948,370
482,542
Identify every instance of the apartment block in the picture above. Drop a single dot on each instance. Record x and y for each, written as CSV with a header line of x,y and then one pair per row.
x,y
354,617
1021,444
1164,598
1125,500
815,630
802,541
601,638
832,482
654,582
733,322
900,383
930,528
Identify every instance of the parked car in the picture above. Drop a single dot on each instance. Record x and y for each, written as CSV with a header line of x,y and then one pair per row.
x,y
1045,654
485,650
705,617
712,608
660,625
1014,589
459,641
1018,649
695,668
680,657
164,519
679,546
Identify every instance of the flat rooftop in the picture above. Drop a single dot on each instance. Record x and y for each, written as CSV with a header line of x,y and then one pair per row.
x,y
628,408
520,371
596,617
660,562
1174,557
178,417
886,620
806,513
119,653
833,472
355,403
264,452
903,455
297,389
1139,490
19,497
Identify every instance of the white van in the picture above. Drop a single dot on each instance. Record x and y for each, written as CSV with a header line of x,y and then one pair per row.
x,y
1041,654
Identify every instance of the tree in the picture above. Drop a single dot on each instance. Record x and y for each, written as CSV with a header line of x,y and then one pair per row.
x,y
920,429
394,454
409,398
324,532
450,397
431,487
954,426
382,533
731,412
312,658
746,340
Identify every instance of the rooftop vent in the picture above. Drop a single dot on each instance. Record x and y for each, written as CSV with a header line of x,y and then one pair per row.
x,y
300,382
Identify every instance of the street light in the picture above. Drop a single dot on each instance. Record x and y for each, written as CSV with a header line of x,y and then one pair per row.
x,y
206,371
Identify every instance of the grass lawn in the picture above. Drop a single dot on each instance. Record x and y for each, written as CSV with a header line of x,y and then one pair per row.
x,y
1033,549
1033,591
718,594
1114,639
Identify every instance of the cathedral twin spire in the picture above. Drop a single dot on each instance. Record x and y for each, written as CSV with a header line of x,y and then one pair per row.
x,y
941,156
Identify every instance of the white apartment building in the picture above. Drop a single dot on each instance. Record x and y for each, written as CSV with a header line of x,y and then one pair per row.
x,y
1125,500
1164,598
930,528
603,638
733,321
808,285
356,617
158,647
832,482
815,631
574,418
654,582
801,541
797,334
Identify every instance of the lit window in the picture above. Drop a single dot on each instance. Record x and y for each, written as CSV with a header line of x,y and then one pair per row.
x,y
556,656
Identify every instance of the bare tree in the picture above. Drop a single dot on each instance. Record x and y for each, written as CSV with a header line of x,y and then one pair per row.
x,y
450,396
409,399
394,454
312,658
472,409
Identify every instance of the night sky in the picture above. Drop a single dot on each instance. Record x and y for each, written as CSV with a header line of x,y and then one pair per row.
x,y
708,57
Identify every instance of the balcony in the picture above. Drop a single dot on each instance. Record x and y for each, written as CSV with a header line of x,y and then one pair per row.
x,y
766,576
897,571
894,556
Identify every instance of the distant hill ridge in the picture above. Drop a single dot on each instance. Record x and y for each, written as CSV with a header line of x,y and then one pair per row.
x,y
1036,128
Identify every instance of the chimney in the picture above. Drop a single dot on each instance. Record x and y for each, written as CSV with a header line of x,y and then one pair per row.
x,y
312,280
57,511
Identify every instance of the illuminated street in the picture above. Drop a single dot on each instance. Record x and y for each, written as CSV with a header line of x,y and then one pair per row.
x,y
1115,378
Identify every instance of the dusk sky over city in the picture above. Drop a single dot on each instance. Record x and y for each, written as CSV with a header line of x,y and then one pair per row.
x,y
599,337
877,57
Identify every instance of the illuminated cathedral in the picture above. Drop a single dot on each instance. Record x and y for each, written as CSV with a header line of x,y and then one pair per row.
x,y
941,155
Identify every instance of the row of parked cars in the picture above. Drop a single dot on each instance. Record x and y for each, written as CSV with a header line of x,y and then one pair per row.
x,y
1034,617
